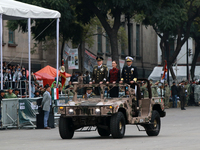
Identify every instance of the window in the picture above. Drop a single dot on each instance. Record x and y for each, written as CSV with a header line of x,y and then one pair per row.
x,y
11,39
107,44
137,40
99,39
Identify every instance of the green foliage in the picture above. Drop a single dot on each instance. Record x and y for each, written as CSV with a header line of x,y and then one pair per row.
x,y
69,27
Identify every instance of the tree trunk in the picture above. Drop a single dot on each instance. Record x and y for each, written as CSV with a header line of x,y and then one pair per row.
x,y
114,47
197,50
62,49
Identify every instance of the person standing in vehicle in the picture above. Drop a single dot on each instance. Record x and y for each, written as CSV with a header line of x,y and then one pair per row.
x,y
99,75
129,72
114,77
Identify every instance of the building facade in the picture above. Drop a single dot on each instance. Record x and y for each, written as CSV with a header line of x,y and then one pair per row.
x,y
143,49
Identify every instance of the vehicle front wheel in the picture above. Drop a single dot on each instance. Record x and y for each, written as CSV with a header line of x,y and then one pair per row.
x,y
103,132
117,125
153,129
66,128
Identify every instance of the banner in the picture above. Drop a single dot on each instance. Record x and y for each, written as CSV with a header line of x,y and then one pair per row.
x,y
89,61
66,52
109,63
73,59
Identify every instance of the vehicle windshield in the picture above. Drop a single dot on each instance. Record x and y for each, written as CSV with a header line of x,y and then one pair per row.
x,y
108,92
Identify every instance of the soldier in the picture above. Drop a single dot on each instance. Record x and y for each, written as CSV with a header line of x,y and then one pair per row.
x,y
188,91
167,95
182,94
144,90
196,93
129,72
89,93
10,94
100,73
154,88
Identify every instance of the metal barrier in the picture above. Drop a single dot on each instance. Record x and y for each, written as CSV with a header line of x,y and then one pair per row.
x,y
19,112
9,113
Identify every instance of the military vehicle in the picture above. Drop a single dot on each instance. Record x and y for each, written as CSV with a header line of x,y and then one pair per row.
x,y
111,115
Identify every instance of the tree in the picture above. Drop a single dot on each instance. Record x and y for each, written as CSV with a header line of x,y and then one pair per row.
x,y
69,27
109,14
170,19
195,34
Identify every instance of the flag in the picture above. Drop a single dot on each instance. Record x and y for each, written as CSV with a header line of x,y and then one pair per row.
x,y
54,93
165,70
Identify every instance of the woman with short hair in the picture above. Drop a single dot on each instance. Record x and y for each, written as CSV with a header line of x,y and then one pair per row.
x,y
114,77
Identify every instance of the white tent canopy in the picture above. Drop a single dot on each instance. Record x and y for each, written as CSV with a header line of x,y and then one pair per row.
x,y
180,73
13,10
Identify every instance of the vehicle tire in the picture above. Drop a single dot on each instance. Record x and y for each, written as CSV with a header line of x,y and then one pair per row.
x,y
117,125
103,132
66,128
154,128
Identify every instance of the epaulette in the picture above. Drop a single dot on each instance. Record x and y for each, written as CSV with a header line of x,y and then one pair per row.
x,y
104,66
95,66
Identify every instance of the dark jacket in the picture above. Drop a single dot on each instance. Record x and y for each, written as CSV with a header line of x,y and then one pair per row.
x,y
174,90
74,79
129,73
182,90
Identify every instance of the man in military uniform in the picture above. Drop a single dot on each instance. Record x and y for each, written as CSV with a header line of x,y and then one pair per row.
x,y
167,95
144,90
188,91
89,93
182,94
100,73
10,94
129,72
154,88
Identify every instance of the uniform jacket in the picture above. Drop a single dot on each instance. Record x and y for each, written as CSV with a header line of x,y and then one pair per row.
x,y
154,91
167,91
10,95
100,74
129,73
46,101
181,90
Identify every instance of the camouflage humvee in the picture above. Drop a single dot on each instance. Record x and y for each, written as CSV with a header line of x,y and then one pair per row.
x,y
110,115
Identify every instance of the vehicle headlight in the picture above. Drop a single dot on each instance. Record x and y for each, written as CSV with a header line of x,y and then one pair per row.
x,y
71,111
97,110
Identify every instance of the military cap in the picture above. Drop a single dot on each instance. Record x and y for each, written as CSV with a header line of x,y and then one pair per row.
x,y
9,88
99,58
128,58
89,88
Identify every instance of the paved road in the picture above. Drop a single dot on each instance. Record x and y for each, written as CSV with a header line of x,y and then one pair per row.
x,y
180,131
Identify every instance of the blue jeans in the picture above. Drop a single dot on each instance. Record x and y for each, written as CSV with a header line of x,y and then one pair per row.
x,y
174,99
46,117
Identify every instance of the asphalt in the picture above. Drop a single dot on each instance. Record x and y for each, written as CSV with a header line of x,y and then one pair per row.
x,y
180,130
